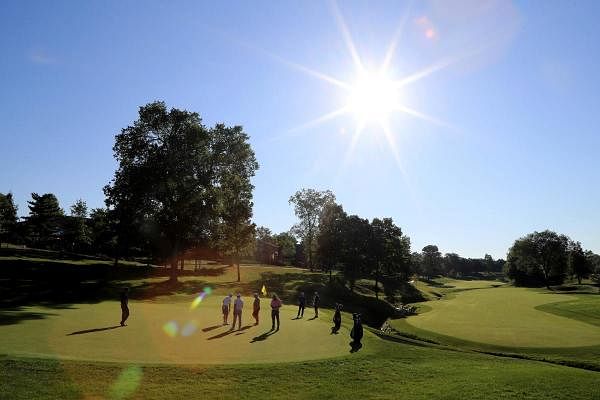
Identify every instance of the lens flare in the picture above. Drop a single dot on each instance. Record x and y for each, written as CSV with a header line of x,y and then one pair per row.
x,y
171,328
196,302
189,328
126,384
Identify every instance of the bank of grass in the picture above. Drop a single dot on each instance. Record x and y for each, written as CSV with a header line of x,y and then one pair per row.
x,y
389,370
532,323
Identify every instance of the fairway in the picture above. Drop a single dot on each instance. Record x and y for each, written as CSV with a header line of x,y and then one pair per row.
x,y
171,333
506,317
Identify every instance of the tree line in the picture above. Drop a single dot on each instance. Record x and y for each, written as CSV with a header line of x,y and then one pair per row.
x,y
181,186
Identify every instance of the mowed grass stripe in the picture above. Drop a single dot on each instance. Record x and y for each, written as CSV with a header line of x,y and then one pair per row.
x,y
506,317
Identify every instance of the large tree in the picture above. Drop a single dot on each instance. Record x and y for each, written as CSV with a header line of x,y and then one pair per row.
x,y
287,246
538,258
308,206
390,252
329,238
8,217
235,165
355,242
578,263
179,175
44,220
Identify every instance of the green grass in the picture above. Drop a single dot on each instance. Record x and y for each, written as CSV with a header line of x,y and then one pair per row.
x,y
585,308
387,370
61,349
91,332
515,321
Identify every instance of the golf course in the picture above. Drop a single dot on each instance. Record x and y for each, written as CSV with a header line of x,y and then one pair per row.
x,y
175,345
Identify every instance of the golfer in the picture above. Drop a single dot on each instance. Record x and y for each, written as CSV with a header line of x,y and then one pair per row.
x,y
316,301
238,305
124,306
275,306
301,305
225,307
256,307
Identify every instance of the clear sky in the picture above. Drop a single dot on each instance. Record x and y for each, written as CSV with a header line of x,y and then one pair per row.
x,y
505,140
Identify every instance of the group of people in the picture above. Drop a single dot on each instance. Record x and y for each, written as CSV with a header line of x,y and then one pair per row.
x,y
238,305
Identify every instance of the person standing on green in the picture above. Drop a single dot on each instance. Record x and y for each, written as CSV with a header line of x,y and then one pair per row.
x,y
124,306
275,306
256,307
316,302
238,306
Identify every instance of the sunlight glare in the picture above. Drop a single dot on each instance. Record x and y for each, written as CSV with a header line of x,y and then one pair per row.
x,y
373,97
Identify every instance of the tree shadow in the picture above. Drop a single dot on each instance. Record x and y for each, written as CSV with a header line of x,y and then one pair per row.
x,y
108,328
16,315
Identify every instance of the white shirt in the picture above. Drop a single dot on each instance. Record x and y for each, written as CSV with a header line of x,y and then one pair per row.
x,y
238,304
227,301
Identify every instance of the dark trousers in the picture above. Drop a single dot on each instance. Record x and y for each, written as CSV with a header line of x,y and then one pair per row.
x,y
237,315
316,310
124,314
275,316
337,324
301,310
255,315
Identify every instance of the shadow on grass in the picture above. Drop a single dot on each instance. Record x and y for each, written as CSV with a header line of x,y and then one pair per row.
x,y
108,328
264,336
16,315
211,328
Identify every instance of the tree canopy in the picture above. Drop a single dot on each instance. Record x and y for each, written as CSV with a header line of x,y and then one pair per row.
x,y
190,183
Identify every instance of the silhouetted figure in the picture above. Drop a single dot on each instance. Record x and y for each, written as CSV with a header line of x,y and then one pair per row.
x,y
275,306
357,331
225,308
256,307
337,318
316,302
124,306
238,305
301,305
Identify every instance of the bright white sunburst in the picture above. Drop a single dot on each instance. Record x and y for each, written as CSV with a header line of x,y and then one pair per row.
x,y
373,97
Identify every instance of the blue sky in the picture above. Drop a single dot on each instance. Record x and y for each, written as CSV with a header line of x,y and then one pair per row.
x,y
510,146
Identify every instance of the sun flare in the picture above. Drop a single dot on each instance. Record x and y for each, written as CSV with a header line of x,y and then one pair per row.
x,y
373,97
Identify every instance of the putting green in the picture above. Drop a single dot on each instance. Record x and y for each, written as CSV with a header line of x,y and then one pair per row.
x,y
171,333
507,317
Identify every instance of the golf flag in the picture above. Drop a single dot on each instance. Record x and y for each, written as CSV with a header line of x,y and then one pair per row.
x,y
263,291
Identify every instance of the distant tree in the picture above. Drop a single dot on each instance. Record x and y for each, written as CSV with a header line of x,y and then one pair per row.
x,y
488,262
432,261
8,217
77,233
179,175
308,206
287,246
102,233
44,220
389,251
329,237
578,263
356,235
540,257
416,263
452,265
264,245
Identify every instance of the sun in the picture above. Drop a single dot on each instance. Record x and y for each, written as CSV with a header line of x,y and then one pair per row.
x,y
373,97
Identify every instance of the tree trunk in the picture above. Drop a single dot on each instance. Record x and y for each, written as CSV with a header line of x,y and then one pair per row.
x,y
579,279
330,277
377,282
